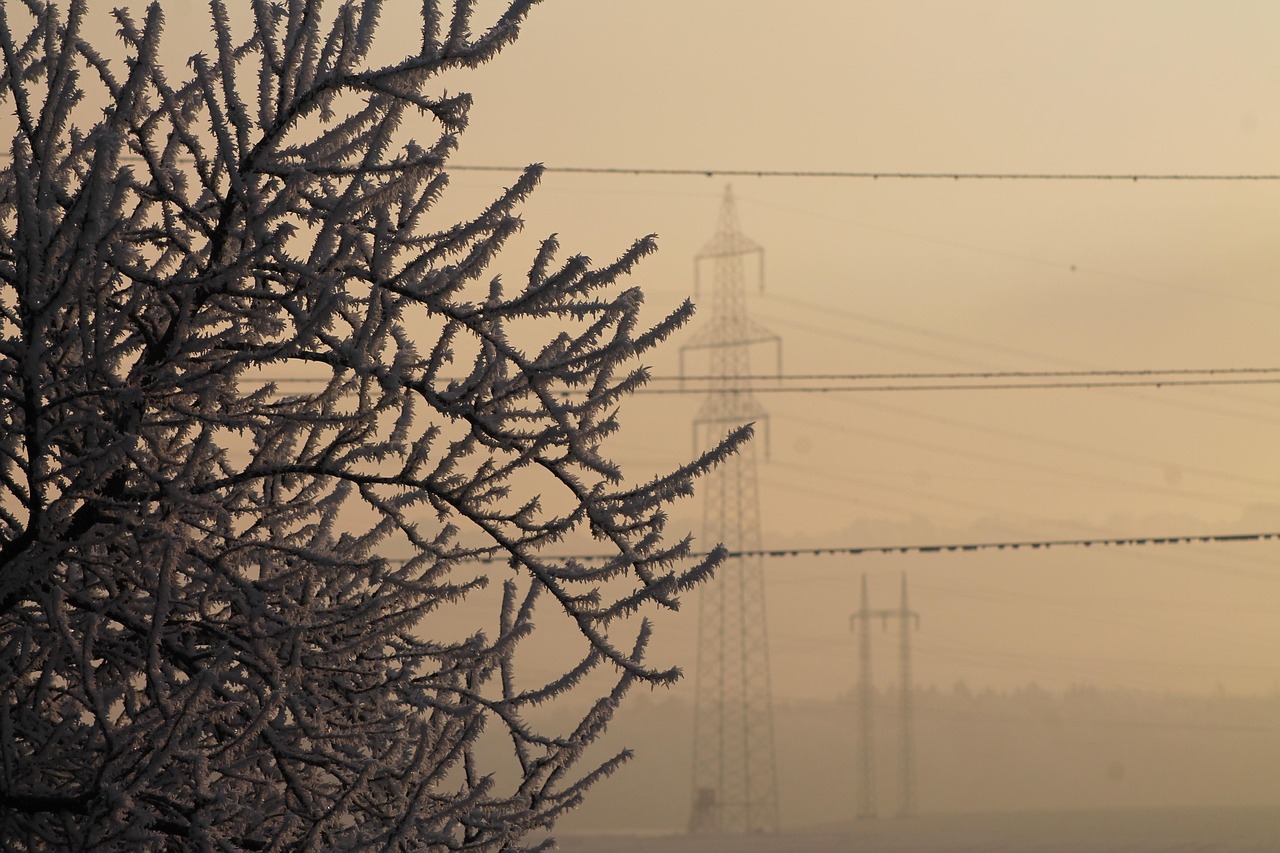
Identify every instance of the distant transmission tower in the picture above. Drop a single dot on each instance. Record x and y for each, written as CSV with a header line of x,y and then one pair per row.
x,y
906,724
861,622
734,779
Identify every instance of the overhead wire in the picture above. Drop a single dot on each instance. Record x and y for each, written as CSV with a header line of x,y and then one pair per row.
x,y
645,171
1176,402
837,389
953,548
1179,401
854,377
641,171
1216,568
985,386
989,374
846,429
1043,176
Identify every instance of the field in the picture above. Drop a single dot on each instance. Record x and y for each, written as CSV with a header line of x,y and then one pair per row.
x,y
1128,831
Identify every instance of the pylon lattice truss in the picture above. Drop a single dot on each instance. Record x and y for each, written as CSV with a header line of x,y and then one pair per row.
x,y
734,777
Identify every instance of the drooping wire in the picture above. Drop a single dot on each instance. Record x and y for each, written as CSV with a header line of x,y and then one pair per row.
x,y
1148,379
958,548
640,171
986,386
989,374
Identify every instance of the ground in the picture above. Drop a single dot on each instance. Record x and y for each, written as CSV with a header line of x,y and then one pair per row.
x,y
1122,831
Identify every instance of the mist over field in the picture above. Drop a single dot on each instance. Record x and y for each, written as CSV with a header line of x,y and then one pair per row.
x,y
1028,770
996,284
1132,690
980,752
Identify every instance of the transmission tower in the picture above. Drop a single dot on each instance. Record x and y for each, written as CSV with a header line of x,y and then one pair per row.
x,y
734,779
861,622
906,724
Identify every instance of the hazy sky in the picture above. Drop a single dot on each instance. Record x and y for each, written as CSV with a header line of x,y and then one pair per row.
x,y
891,276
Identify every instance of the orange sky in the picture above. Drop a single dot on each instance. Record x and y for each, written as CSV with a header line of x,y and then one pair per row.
x,y
892,276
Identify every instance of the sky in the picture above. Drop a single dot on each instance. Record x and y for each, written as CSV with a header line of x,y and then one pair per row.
x,y
890,276
940,276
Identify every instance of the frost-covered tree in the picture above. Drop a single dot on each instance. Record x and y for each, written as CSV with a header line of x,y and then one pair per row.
x,y
218,591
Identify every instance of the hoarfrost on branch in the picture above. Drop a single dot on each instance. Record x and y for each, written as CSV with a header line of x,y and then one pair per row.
x,y
205,640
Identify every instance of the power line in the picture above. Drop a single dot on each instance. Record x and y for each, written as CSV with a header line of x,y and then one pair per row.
x,y
827,173
989,386
1192,539
967,547
990,374
828,311
872,175
984,386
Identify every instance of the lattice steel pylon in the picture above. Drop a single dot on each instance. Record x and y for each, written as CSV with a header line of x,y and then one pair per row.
x,y
734,777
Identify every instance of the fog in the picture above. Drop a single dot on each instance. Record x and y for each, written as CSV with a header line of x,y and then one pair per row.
x,y
1142,680
1126,679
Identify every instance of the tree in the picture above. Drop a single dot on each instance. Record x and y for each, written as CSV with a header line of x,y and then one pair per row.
x,y
216,588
